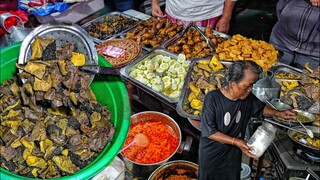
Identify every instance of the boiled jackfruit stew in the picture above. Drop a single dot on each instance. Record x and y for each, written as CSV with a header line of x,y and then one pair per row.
x,y
52,124
306,140
207,75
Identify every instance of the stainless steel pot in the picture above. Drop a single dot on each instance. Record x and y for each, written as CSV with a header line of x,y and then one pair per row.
x,y
266,88
144,170
190,169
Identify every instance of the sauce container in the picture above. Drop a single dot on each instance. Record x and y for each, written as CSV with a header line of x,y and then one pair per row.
x,y
262,138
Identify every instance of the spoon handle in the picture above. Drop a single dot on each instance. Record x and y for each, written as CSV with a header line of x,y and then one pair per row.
x,y
129,145
287,127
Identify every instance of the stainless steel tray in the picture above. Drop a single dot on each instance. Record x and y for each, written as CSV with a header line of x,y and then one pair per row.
x,y
223,35
176,38
281,67
148,48
97,40
186,91
125,71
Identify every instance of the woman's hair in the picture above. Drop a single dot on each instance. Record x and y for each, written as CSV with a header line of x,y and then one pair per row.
x,y
237,70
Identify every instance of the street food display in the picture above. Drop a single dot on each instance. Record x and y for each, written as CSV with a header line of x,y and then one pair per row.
x,y
52,124
286,75
162,73
204,75
216,38
162,143
111,24
242,48
304,94
119,52
152,32
192,44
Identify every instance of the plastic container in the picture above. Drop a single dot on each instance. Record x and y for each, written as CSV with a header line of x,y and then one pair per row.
x,y
262,138
110,92
74,13
115,171
245,172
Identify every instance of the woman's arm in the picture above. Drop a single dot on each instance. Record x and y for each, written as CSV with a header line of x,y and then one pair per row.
x,y
288,114
225,139
223,23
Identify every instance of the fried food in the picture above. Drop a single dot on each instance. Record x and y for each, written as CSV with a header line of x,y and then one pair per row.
x,y
242,48
153,32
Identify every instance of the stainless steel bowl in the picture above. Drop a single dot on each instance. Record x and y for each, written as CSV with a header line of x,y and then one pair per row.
x,y
144,170
169,169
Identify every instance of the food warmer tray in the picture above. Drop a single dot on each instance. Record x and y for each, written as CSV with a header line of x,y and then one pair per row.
x,y
178,37
281,67
124,72
186,91
96,40
223,35
123,35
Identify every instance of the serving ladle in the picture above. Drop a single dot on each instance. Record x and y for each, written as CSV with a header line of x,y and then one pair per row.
x,y
140,139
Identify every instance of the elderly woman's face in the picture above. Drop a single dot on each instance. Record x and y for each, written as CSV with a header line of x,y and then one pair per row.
x,y
244,87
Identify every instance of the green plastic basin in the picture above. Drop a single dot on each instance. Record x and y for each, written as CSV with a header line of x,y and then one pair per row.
x,y
110,91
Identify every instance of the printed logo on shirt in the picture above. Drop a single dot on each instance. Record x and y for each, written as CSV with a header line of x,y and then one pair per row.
x,y
227,118
238,117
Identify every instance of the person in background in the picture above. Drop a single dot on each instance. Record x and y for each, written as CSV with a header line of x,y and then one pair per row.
x,y
224,118
296,34
216,13
121,5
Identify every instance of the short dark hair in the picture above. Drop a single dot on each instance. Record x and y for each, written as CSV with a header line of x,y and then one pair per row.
x,y
236,70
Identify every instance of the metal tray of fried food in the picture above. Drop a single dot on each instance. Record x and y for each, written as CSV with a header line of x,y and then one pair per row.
x,y
214,32
153,32
183,107
281,68
199,46
133,22
127,70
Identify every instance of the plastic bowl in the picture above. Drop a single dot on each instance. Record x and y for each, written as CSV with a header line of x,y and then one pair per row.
x,y
110,91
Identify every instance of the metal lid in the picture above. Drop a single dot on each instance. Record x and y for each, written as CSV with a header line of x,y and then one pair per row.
x,y
267,82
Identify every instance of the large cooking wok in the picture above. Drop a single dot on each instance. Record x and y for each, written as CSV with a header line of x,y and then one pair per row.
x,y
308,148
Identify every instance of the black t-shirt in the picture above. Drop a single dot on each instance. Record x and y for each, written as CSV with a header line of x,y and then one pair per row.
x,y
219,114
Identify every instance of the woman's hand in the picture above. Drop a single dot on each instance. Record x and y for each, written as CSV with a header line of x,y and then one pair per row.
x,y
244,148
315,3
156,10
288,114
223,25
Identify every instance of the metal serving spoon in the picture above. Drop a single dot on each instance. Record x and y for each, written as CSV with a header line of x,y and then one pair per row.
x,y
309,132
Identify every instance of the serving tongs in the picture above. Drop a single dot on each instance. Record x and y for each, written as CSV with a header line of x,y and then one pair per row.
x,y
208,41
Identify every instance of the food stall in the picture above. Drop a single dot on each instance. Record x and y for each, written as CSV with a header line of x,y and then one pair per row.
x,y
161,70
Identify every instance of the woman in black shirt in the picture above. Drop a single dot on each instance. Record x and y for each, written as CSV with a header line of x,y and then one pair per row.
x,y
224,118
